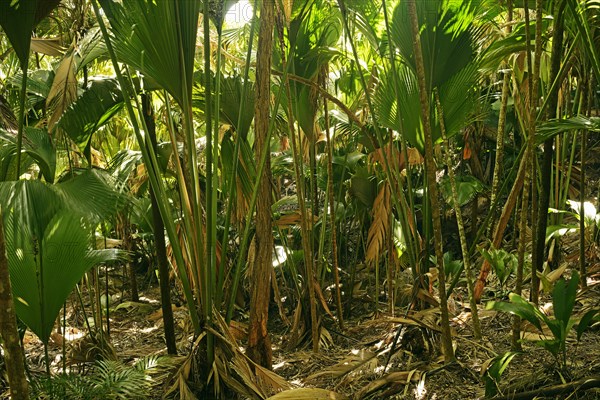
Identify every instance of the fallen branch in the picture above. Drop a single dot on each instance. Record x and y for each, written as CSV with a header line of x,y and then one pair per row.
x,y
582,384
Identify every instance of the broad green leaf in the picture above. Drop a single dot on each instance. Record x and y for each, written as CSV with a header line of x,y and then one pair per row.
x,y
523,310
157,38
91,110
557,328
495,371
17,19
553,345
37,144
44,270
585,321
563,298
48,242
553,231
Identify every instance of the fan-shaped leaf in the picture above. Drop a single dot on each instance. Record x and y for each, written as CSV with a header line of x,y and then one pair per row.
x,y
45,269
157,38
91,110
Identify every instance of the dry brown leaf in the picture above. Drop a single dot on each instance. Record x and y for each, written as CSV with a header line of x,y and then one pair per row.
x,y
308,394
47,46
380,227
63,91
352,363
414,157
402,377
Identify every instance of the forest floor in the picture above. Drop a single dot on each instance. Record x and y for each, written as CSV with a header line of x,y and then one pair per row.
x,y
353,362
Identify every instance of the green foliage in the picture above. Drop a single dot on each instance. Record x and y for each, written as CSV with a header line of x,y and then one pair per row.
x,y
495,369
48,237
589,213
107,380
18,18
157,38
467,187
503,263
91,110
563,301
37,145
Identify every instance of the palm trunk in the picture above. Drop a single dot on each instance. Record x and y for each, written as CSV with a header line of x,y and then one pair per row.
x,y
544,200
461,226
431,182
334,249
259,343
13,353
305,217
159,238
501,123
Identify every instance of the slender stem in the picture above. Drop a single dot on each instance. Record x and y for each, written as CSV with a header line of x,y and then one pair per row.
x,y
334,249
502,118
153,174
21,120
432,189
459,220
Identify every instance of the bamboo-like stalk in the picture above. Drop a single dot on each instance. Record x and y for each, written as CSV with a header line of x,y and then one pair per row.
x,y
546,166
21,126
232,177
459,221
501,119
334,249
159,239
304,224
412,242
430,168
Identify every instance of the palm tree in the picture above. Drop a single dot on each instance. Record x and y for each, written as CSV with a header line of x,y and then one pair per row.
x,y
259,343
13,352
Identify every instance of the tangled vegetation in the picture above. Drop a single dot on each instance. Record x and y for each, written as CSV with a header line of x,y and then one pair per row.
x,y
296,199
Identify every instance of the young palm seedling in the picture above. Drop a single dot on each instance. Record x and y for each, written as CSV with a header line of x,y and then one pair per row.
x,y
563,301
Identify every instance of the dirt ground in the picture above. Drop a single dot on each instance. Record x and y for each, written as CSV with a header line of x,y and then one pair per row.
x,y
376,356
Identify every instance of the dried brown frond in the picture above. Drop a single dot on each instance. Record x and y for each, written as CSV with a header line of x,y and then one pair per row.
x,y
308,394
380,227
63,91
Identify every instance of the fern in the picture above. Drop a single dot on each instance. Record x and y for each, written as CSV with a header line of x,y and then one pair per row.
x,y
110,380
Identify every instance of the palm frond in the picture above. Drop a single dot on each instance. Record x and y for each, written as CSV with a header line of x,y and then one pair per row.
x,y
44,269
157,38
308,394
91,110
37,144
63,91
379,230
93,194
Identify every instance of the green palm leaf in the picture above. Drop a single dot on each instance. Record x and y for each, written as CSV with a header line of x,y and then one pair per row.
x,y
230,104
17,19
48,241
44,270
91,110
93,194
157,38
37,144
449,41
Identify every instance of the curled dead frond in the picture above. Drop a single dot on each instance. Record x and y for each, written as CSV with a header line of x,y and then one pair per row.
x,y
356,362
308,394
394,378
379,230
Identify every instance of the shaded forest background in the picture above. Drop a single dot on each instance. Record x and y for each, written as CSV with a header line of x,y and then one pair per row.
x,y
299,198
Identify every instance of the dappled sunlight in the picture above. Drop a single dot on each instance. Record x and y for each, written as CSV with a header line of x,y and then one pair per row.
x,y
420,391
